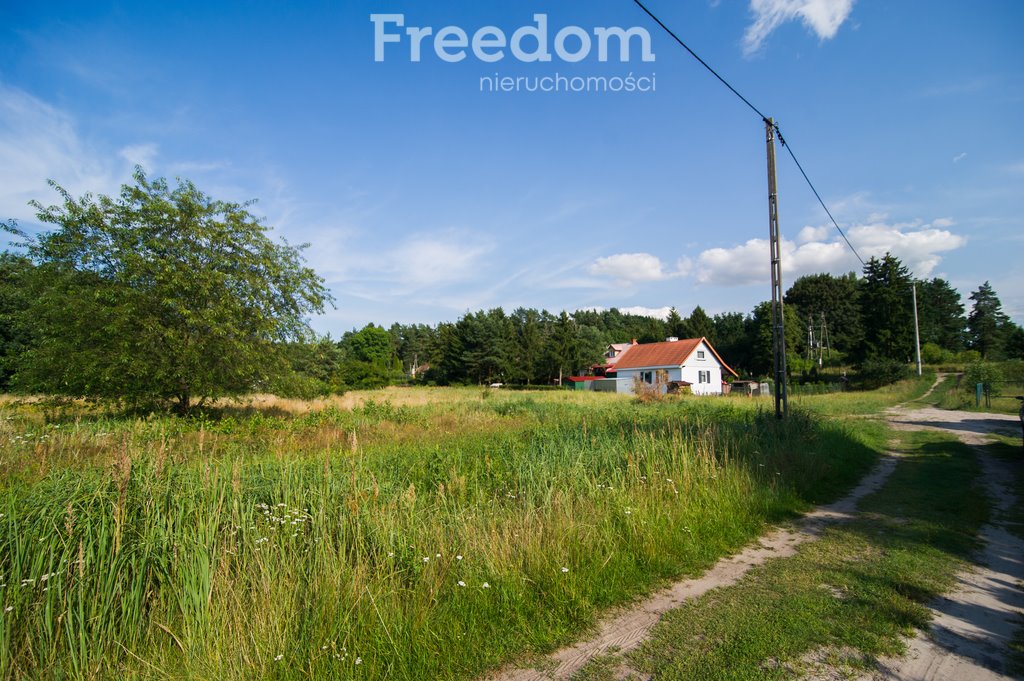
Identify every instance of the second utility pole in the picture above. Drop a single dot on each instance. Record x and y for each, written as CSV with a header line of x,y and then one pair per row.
x,y
778,318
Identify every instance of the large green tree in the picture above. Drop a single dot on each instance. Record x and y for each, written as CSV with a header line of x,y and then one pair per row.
x,y
940,314
700,324
675,325
761,339
529,346
731,340
987,325
160,293
830,305
15,332
887,313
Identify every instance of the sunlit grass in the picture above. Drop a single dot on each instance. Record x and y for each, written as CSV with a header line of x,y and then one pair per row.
x,y
427,534
845,599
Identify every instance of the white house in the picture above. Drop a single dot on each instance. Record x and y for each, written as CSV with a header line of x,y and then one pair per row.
x,y
690,361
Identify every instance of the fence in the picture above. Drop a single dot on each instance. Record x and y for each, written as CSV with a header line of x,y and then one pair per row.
x,y
815,388
999,393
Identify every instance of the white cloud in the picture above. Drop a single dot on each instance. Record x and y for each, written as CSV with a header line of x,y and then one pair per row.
x,y
428,260
631,268
959,157
139,155
918,245
823,17
39,142
656,312
809,233
191,167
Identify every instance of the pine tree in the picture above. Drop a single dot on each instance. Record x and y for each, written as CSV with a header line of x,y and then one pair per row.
x,y
700,324
941,314
676,325
987,325
886,310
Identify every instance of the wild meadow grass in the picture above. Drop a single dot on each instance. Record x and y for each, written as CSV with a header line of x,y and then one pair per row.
x,y
955,392
431,539
843,600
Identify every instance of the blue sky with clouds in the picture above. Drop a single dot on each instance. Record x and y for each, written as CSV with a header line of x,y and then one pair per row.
x,y
424,194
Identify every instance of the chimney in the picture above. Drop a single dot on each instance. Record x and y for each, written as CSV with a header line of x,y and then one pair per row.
x,y
634,342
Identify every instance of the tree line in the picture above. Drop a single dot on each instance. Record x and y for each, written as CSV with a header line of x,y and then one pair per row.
x,y
166,295
862,321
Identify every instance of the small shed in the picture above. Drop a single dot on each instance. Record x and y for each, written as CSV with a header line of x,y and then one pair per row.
x,y
580,382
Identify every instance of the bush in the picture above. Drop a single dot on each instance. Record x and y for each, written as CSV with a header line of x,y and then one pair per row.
x,y
1013,370
878,371
933,354
968,356
986,373
650,392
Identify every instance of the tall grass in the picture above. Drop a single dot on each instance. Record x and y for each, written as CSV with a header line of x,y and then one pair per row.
x,y
389,541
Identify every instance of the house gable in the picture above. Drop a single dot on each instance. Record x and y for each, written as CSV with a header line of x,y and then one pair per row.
x,y
668,354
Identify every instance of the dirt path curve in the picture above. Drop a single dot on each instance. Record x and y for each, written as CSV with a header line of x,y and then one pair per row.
x,y
628,627
972,626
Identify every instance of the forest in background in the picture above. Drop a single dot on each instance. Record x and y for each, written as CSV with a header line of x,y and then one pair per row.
x,y
833,323
166,296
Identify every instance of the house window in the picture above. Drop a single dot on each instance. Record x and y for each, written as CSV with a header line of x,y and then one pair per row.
x,y
700,354
704,377
648,377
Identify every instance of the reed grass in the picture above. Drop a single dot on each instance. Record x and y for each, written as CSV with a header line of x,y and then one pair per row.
x,y
404,540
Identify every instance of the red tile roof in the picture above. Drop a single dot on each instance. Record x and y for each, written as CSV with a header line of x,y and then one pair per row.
x,y
667,354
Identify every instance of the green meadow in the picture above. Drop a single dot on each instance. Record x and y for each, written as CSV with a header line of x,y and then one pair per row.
x,y
415,534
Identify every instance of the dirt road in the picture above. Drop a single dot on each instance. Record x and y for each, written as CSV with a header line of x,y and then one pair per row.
x,y
972,626
968,638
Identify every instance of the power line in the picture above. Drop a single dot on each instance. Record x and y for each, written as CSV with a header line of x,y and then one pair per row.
x,y
753,108
703,63
782,141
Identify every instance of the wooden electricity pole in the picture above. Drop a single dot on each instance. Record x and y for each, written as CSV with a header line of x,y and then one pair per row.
x,y
778,318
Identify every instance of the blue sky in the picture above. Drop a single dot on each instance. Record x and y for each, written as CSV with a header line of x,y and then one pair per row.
x,y
423,195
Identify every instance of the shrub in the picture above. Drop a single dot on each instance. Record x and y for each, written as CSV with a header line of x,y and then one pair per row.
x,y
986,373
933,354
878,371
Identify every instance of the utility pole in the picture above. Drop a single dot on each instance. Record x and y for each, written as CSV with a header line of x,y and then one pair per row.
x,y
917,330
778,318
810,337
823,343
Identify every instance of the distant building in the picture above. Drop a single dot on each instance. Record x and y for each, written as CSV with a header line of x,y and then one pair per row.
x,y
673,364
611,358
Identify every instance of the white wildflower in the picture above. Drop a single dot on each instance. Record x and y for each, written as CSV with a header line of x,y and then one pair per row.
x,y
485,585
565,569
278,658
462,583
